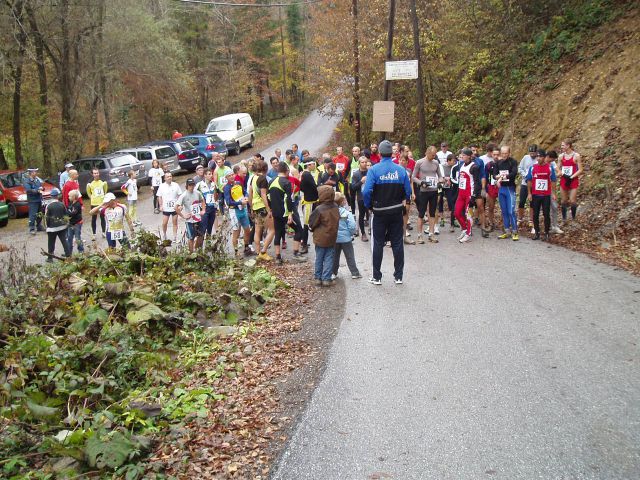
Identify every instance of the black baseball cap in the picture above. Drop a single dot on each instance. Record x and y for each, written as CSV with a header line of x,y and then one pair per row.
x,y
190,181
533,148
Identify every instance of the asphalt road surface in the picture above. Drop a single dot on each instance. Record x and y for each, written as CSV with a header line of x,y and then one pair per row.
x,y
495,359
313,134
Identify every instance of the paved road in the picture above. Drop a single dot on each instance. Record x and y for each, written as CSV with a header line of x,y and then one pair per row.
x,y
313,134
495,359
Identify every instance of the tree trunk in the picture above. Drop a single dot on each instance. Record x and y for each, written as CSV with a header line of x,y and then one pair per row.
x,y
422,142
21,38
65,80
284,63
106,106
356,71
389,55
3,161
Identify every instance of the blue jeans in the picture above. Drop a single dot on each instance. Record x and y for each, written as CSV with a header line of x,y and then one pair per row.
x,y
75,231
35,219
507,199
324,263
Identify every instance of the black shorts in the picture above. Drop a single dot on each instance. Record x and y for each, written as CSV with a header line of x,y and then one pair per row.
x,y
427,201
524,193
169,214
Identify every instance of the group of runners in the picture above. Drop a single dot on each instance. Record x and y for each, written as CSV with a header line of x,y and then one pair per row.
x,y
270,201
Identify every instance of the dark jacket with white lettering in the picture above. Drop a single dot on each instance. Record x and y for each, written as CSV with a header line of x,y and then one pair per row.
x,y
387,186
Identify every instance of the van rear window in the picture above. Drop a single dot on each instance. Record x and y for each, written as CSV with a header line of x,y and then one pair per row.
x,y
123,160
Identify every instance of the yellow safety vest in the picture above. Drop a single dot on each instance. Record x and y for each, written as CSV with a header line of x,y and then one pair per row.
x,y
257,202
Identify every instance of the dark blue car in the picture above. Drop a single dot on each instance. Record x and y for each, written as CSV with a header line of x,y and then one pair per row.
x,y
207,145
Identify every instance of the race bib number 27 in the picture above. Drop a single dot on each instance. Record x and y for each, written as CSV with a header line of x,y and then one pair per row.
x,y
542,184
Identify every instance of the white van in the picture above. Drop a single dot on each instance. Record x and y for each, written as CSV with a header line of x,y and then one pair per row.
x,y
236,129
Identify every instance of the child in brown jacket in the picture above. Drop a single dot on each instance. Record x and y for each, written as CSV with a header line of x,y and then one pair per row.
x,y
323,222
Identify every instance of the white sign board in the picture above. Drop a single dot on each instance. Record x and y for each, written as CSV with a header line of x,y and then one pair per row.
x,y
383,116
403,70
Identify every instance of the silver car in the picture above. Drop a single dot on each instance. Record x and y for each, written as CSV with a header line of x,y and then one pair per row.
x,y
163,153
113,167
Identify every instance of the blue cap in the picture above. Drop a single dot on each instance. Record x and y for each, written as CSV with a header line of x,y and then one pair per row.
x,y
55,192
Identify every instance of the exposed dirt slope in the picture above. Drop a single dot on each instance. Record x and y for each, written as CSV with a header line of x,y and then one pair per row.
x,y
595,100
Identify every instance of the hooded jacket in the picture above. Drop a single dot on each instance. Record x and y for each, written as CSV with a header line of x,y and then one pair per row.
x,y
324,220
347,226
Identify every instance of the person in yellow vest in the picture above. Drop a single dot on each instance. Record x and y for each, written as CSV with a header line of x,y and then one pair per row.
x,y
262,215
309,189
96,190
355,164
281,202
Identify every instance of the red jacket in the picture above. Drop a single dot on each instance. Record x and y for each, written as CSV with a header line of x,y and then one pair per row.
x,y
375,158
343,163
68,186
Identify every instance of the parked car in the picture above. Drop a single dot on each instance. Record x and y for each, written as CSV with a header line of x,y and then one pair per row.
x,y
236,129
4,210
11,185
207,145
163,153
188,156
113,167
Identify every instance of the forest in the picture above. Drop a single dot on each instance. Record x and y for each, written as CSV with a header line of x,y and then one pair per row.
x,y
89,76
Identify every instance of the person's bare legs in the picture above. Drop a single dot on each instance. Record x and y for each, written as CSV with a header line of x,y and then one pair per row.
x,y
165,222
174,219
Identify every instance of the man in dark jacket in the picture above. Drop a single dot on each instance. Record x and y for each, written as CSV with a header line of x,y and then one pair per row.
x,y
57,221
358,179
34,188
387,191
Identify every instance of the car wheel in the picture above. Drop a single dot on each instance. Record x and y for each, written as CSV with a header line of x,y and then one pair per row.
x,y
13,212
3,223
252,141
236,151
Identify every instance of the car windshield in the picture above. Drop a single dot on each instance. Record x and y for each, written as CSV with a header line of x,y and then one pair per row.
x,y
122,161
214,138
185,146
14,179
222,125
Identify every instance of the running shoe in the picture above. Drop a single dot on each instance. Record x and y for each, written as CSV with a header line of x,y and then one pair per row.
x,y
334,276
545,237
328,283
462,234
426,230
156,210
557,230
304,249
433,239
452,229
398,281
420,239
515,237
375,281
536,236
504,235
437,230
408,234
299,258
265,257
317,281
408,241
465,238
356,276
364,237
409,226
484,233
533,230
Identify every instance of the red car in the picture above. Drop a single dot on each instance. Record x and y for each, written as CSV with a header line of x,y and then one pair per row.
x,y
11,185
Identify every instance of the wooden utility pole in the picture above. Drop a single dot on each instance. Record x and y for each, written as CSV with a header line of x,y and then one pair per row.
x,y
356,71
419,90
392,21
284,62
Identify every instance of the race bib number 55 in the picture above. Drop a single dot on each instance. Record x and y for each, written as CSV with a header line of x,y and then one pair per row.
x,y
567,170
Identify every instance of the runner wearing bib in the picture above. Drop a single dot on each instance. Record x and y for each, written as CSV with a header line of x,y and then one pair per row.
x,y
168,194
492,187
263,219
309,188
236,199
155,174
505,172
540,178
528,161
570,164
96,190
209,191
220,178
190,206
115,215
427,175
467,179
